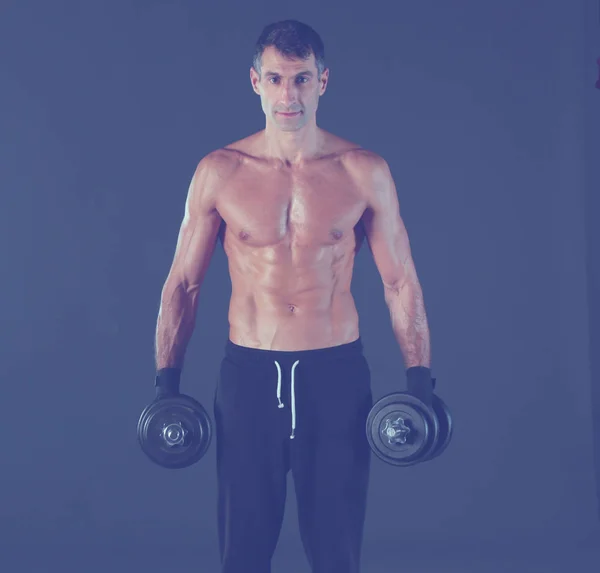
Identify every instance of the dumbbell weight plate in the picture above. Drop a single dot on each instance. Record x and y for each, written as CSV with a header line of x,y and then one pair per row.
x,y
174,432
401,430
446,426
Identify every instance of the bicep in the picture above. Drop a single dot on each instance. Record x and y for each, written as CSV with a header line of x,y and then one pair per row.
x,y
198,232
386,233
196,243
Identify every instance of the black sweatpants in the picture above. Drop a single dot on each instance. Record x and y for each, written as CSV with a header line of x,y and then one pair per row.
x,y
304,411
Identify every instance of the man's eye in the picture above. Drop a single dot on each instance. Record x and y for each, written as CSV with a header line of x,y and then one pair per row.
x,y
300,80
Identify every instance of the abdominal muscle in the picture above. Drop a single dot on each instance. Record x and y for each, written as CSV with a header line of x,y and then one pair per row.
x,y
291,307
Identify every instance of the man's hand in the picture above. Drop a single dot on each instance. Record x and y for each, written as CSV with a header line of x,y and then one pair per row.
x,y
167,382
420,384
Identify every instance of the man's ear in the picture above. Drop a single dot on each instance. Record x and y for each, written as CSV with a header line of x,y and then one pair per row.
x,y
323,81
254,79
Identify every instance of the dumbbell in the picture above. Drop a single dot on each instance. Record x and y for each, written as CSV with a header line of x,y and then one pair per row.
x,y
404,431
174,432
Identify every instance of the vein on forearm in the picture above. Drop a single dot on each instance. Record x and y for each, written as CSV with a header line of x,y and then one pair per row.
x,y
175,326
409,322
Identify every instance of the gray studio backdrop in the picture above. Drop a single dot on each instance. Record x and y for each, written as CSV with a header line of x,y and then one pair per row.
x,y
106,108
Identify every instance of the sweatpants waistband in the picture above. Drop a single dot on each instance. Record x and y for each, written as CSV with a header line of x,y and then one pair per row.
x,y
242,354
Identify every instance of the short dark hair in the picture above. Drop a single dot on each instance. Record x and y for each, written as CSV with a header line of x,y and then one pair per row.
x,y
292,39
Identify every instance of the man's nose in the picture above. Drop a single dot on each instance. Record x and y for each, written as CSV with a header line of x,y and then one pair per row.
x,y
289,93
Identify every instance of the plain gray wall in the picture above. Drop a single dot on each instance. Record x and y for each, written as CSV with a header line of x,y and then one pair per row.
x,y
591,131
478,106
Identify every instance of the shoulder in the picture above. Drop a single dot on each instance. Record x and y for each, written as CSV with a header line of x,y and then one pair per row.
x,y
355,158
246,148
364,162
218,164
211,175
370,172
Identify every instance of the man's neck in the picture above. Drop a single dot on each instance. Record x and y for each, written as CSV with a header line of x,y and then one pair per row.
x,y
293,147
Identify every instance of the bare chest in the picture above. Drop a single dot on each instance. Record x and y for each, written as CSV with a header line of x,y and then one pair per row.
x,y
302,208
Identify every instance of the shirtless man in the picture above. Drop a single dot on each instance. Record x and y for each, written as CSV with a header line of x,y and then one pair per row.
x,y
292,205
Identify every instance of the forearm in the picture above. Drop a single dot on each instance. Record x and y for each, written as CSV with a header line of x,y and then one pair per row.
x,y
409,323
175,326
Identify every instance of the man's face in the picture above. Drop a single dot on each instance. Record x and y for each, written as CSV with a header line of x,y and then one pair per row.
x,y
289,90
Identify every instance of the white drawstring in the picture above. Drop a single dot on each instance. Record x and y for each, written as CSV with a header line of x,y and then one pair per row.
x,y
278,384
292,394
293,400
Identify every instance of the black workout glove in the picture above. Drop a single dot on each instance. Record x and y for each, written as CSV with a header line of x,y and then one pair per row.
x,y
167,382
419,383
